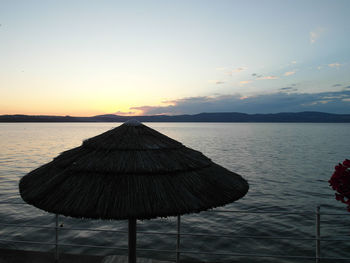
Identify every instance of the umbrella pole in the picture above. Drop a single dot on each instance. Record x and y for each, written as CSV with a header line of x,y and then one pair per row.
x,y
132,240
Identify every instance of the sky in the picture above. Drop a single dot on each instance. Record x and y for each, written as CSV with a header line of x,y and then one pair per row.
x,y
86,58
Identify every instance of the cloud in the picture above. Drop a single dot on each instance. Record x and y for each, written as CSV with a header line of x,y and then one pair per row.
x,y
334,65
219,82
289,73
256,75
293,62
236,70
239,69
269,77
337,85
316,34
125,113
243,82
259,76
320,102
157,110
334,97
288,89
266,103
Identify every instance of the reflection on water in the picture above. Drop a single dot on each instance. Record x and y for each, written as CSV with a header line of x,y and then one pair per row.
x,y
287,166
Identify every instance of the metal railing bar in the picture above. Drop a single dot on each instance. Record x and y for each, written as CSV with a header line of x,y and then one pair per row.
x,y
13,203
56,239
59,244
244,255
255,237
94,229
262,212
257,255
173,233
157,233
90,246
119,231
178,239
333,258
224,236
331,239
335,214
318,235
34,226
27,242
199,235
80,245
273,212
169,233
65,228
156,250
120,248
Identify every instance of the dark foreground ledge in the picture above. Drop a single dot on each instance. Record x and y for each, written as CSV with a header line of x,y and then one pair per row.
x,y
25,256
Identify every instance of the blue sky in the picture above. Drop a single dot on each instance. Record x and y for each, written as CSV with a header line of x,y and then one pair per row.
x,y
153,57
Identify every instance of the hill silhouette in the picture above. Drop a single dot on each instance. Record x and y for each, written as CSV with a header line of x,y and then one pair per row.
x,y
201,117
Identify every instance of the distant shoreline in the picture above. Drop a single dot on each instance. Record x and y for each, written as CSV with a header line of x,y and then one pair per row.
x,y
226,117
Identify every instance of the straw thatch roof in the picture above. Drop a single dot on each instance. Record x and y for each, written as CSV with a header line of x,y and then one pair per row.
x,y
131,171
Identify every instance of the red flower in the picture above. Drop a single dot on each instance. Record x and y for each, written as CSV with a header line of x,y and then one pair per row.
x,y
339,197
346,163
340,182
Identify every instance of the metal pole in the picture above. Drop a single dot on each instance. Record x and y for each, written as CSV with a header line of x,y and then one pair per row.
x,y
132,241
56,239
178,240
318,234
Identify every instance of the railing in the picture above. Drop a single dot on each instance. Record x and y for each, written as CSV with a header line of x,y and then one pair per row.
x,y
317,239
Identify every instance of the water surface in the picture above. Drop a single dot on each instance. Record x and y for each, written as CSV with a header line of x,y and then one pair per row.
x,y
287,166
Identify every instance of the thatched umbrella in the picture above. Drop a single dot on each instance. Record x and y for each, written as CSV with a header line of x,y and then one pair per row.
x,y
130,172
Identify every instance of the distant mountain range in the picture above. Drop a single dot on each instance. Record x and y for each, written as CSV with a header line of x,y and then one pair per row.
x,y
202,117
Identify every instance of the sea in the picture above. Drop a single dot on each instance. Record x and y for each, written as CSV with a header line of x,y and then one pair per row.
x,y
287,165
